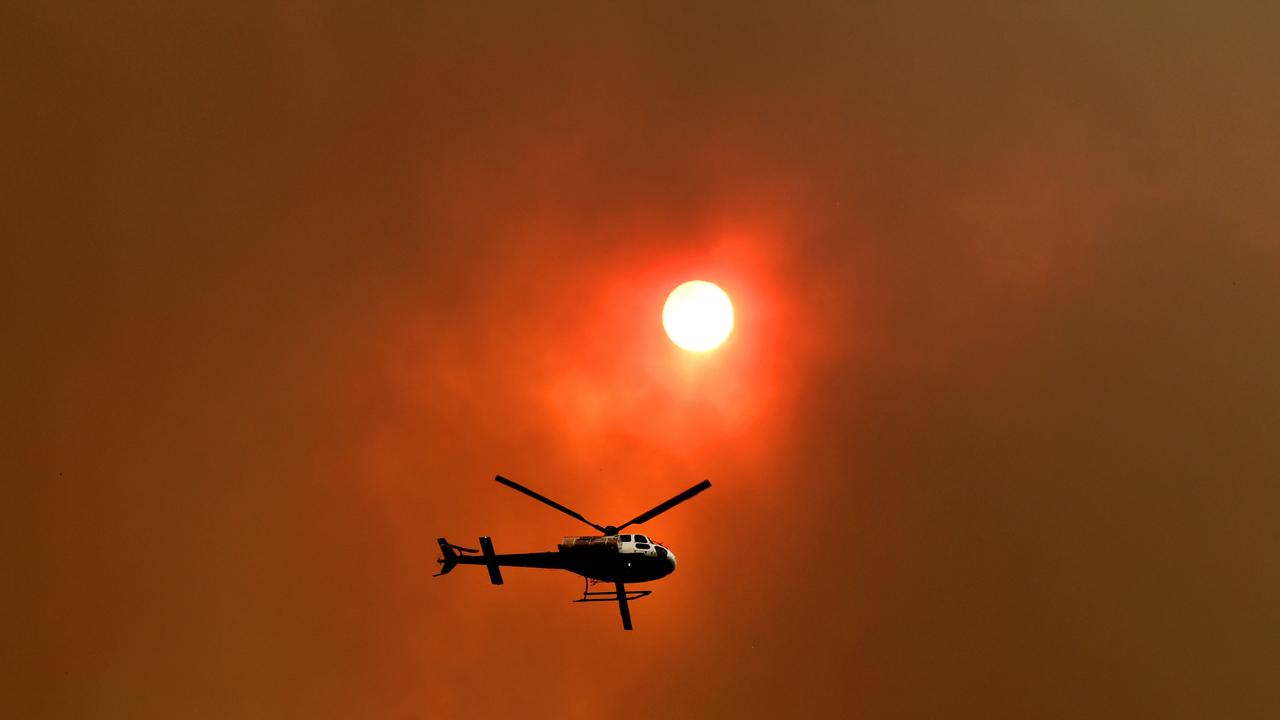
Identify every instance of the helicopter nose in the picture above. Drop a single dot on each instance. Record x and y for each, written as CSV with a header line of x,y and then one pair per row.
x,y
671,559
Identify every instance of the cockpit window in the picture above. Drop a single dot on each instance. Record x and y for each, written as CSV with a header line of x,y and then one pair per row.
x,y
624,538
642,546
641,538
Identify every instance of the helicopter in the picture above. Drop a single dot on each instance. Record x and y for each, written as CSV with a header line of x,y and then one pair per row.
x,y
608,557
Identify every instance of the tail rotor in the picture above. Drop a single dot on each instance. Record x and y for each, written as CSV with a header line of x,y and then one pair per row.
x,y
450,559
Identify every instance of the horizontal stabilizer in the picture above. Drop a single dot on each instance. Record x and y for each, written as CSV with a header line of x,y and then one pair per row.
x,y
490,562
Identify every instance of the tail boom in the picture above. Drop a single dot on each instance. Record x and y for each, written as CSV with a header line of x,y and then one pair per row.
x,y
493,561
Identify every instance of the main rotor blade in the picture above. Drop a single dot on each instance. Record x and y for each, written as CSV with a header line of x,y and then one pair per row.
x,y
520,488
667,505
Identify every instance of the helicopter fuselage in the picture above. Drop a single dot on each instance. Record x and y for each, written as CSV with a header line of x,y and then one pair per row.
x,y
612,558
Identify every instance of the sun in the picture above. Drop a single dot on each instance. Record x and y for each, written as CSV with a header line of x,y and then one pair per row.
x,y
698,316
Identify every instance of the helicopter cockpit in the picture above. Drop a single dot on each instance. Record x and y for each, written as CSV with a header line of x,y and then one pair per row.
x,y
641,544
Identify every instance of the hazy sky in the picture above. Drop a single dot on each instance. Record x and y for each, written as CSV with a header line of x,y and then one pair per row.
x,y
286,285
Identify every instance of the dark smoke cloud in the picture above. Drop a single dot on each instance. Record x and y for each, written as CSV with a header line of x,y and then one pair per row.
x,y
287,286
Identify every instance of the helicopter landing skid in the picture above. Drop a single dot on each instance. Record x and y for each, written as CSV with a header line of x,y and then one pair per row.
x,y
613,596
620,595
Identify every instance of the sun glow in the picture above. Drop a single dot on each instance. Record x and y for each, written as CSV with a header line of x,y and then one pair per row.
x,y
698,316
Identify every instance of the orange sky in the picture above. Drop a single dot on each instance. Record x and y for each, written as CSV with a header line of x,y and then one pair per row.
x,y
287,285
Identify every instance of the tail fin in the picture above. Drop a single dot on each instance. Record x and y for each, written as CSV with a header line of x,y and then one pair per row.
x,y
450,559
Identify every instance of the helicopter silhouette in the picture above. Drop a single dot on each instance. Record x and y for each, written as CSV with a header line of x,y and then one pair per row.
x,y
608,557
